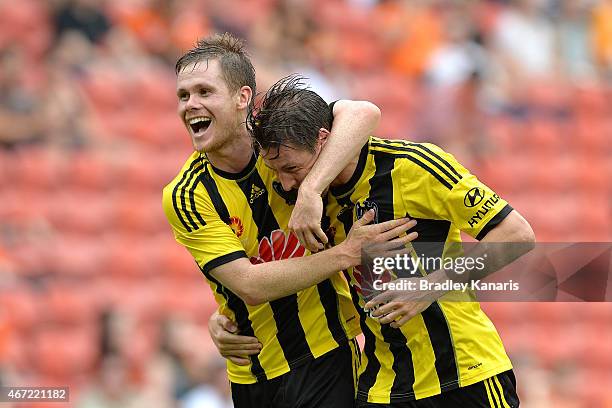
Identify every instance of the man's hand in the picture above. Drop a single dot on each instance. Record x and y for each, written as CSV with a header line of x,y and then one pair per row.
x,y
232,346
399,306
306,219
383,238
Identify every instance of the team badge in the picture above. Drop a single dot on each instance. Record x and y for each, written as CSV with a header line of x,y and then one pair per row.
x,y
236,226
364,207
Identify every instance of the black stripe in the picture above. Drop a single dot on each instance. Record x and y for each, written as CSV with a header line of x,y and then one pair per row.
x,y
329,296
243,322
368,376
192,201
442,344
437,156
428,150
499,217
290,333
329,300
232,256
431,244
420,154
381,193
422,165
213,191
367,379
175,190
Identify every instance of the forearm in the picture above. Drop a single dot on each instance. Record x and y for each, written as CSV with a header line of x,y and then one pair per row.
x,y
273,280
354,122
500,247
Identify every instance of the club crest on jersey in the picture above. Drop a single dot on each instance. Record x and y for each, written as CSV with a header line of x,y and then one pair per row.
x,y
236,226
362,208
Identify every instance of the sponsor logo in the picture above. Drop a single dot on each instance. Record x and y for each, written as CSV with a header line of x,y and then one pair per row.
x,y
256,192
364,207
236,226
483,210
473,197
279,245
474,366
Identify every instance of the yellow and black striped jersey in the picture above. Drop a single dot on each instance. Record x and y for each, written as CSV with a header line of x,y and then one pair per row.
x,y
451,344
220,217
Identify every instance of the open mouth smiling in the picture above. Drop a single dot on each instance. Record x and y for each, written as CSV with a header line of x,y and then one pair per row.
x,y
199,124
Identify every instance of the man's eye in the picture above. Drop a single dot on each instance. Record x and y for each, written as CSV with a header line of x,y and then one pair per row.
x,y
183,96
203,92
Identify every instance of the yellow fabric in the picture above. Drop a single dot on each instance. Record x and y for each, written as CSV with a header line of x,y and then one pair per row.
x,y
451,344
220,218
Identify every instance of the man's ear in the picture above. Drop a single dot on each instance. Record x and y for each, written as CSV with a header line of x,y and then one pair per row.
x,y
322,137
244,96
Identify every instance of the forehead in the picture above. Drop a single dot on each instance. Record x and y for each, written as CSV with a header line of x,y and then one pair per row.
x,y
285,156
206,71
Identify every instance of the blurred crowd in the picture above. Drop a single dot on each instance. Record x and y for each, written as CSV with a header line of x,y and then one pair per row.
x,y
93,291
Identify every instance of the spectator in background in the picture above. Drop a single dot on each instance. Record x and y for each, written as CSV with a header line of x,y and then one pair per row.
x,y
573,40
602,36
19,123
84,16
525,39
454,75
412,33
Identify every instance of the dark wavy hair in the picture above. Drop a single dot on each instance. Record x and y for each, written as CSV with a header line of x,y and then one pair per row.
x,y
289,114
236,66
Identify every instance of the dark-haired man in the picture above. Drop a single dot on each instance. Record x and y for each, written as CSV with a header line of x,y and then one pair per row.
x,y
222,207
434,352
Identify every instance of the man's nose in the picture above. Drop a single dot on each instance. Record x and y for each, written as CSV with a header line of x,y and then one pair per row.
x,y
193,102
287,182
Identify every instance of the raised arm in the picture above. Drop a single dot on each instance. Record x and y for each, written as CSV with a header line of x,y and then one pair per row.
x,y
354,122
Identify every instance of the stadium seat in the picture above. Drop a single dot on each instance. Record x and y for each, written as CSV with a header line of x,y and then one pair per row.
x,y
65,350
69,303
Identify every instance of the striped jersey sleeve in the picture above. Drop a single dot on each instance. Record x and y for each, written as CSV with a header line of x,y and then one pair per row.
x,y
441,188
195,222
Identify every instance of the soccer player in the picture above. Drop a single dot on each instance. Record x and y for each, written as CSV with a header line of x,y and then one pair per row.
x,y
444,353
223,208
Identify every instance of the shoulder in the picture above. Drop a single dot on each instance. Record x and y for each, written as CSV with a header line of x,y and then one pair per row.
x,y
420,161
181,194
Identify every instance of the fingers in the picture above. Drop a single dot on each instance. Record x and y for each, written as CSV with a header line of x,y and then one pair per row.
x,y
239,351
406,238
367,218
378,300
227,323
391,317
386,309
241,361
320,235
404,319
390,233
309,241
229,338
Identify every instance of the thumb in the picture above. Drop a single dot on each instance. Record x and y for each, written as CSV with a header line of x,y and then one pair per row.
x,y
229,325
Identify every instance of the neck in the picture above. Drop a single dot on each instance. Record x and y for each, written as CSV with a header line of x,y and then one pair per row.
x,y
234,156
346,173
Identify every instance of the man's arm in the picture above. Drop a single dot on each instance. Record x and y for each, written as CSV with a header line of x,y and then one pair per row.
x,y
354,122
261,283
401,306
